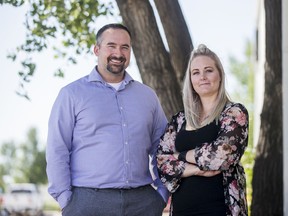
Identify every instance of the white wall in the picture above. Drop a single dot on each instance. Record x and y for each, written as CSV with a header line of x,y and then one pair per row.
x,y
259,71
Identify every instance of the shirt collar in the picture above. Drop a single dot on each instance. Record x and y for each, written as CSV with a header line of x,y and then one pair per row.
x,y
94,76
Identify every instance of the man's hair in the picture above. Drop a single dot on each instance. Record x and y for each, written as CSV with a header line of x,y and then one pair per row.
x,y
110,26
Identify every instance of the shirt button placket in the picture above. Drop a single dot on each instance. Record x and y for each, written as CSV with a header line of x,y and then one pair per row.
x,y
125,140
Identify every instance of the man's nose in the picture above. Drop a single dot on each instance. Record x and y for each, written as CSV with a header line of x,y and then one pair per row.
x,y
118,52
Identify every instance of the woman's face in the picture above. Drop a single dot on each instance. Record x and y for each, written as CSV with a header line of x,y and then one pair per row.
x,y
205,77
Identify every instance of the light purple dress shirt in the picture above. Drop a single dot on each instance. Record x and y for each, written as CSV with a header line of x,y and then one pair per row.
x,y
100,137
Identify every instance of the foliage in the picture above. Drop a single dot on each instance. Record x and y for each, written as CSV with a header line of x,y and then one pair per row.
x,y
15,3
23,162
8,154
244,72
71,23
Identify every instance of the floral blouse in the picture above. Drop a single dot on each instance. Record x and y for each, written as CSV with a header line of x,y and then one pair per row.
x,y
222,154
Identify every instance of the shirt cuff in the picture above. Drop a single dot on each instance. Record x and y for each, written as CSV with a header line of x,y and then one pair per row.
x,y
164,193
64,198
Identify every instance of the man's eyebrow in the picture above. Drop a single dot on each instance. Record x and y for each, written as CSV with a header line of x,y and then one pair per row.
x,y
126,45
123,45
111,43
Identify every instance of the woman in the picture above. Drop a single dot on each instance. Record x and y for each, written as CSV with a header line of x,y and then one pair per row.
x,y
199,154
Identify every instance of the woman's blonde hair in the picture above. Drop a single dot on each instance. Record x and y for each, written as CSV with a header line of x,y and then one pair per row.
x,y
192,103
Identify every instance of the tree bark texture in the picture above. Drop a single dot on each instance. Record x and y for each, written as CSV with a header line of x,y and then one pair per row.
x,y
152,58
267,183
177,35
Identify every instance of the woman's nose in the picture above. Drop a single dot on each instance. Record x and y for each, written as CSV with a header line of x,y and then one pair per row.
x,y
203,76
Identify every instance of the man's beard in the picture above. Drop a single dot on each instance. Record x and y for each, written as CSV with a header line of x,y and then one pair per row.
x,y
118,68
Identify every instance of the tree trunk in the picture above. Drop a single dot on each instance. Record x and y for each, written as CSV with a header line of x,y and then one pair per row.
x,y
177,35
267,183
152,58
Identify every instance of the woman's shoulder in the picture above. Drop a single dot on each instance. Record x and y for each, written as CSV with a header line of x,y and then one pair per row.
x,y
178,119
235,111
234,106
179,115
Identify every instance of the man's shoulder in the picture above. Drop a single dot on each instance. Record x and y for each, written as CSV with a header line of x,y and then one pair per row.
x,y
143,87
75,87
76,83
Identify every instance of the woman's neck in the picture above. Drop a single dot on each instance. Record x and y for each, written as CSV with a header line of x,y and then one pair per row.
x,y
208,104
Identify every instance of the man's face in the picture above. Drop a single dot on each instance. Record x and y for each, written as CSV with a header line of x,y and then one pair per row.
x,y
113,53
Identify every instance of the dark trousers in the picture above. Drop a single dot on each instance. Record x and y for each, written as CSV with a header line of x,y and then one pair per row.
x,y
142,201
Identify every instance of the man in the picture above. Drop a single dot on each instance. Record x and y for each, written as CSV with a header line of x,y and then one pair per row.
x,y
104,130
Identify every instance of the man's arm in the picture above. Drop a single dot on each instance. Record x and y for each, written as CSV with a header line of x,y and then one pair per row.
x,y
60,128
160,123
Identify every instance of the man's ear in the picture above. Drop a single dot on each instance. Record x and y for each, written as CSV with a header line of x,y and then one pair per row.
x,y
96,49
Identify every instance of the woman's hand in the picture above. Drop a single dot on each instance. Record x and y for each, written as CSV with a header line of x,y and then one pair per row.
x,y
193,170
176,154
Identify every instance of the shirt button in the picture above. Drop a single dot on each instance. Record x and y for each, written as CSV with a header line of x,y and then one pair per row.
x,y
124,125
126,143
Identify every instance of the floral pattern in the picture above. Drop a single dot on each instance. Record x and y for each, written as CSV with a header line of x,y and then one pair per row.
x,y
222,154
